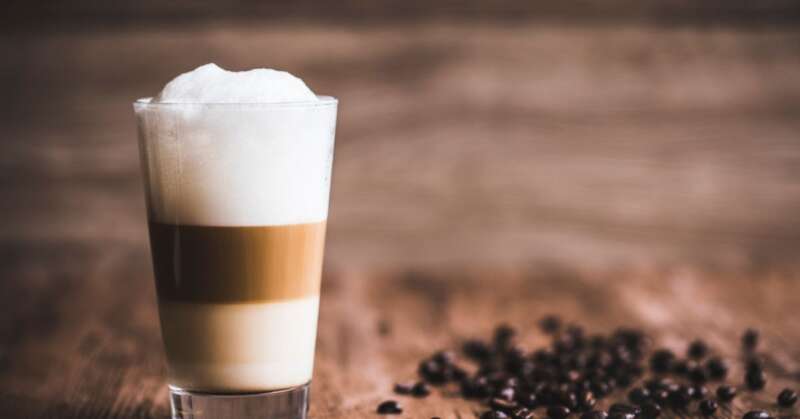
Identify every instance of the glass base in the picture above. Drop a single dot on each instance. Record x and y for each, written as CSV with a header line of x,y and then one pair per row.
x,y
290,403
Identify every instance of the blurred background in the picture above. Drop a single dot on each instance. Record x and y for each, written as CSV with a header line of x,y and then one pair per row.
x,y
590,134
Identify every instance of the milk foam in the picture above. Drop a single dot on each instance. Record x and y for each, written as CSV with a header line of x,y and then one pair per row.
x,y
211,84
237,149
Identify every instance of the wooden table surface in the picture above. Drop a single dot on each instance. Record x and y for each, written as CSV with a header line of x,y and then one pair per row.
x,y
613,174
90,347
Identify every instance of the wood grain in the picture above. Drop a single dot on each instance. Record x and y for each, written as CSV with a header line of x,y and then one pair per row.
x,y
81,335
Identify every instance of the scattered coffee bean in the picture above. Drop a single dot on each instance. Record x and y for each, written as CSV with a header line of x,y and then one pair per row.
x,y
787,398
403,388
697,349
432,372
624,408
755,379
698,375
420,389
661,361
494,414
682,367
476,349
503,335
507,406
757,414
594,414
726,393
586,401
389,407
621,415
550,324
651,410
699,392
558,412
522,413
528,400
639,395
506,393
680,397
750,340
717,368
708,407
660,396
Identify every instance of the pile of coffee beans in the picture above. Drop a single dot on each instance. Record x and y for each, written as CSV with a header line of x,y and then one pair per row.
x,y
570,376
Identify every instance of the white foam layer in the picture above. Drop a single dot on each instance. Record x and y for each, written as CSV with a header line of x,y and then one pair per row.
x,y
211,84
240,347
236,164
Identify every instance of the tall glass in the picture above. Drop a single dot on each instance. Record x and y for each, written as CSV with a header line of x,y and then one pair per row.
x,y
237,200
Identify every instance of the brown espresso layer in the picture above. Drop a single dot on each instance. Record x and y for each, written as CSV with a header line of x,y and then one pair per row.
x,y
210,264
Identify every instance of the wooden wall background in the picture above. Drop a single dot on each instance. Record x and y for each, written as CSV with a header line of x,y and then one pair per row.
x,y
596,134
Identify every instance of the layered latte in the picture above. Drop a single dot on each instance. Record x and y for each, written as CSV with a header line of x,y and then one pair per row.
x,y
237,196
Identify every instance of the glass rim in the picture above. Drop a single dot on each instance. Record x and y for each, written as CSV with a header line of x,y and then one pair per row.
x,y
322,101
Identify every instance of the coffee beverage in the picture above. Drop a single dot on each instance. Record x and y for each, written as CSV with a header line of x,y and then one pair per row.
x,y
237,195
248,286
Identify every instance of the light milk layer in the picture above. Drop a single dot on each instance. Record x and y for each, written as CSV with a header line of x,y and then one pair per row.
x,y
240,347
237,164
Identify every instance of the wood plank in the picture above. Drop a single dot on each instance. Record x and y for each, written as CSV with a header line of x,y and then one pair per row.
x,y
84,341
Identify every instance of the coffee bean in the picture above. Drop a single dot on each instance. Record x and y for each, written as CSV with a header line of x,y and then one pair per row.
x,y
697,349
726,393
594,414
389,407
476,349
600,389
755,380
403,388
528,400
717,369
787,398
432,372
621,415
522,413
753,364
503,404
558,412
707,407
550,324
586,400
506,393
623,408
757,414
444,357
698,375
680,397
661,361
660,396
750,340
503,335
682,367
420,389
639,395
699,392
651,410
494,414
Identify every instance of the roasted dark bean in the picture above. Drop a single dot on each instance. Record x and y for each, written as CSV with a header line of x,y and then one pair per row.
x,y
717,368
787,397
639,395
403,388
651,410
755,379
707,407
420,389
494,414
389,407
558,412
594,414
757,414
750,340
726,393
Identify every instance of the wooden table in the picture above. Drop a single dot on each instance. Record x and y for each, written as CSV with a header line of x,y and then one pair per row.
x,y
81,337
